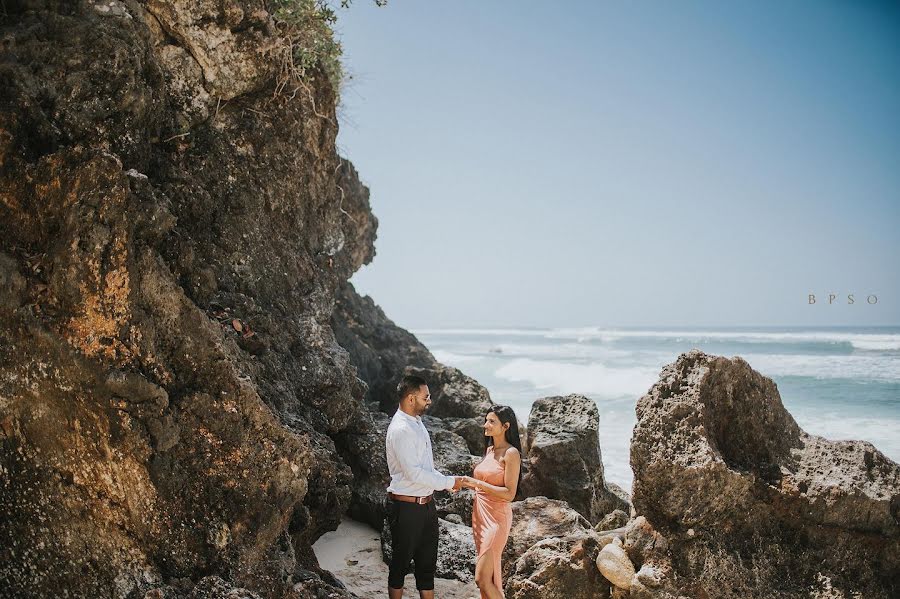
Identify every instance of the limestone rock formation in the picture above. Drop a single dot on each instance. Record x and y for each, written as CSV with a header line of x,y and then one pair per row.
x,y
173,233
564,460
741,502
535,519
559,568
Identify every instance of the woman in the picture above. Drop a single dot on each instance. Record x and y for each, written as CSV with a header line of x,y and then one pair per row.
x,y
496,480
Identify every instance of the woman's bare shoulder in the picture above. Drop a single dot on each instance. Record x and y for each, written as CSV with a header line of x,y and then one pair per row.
x,y
511,453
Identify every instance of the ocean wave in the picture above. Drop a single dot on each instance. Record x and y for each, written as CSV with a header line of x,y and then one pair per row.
x,y
861,341
558,351
616,381
876,345
863,367
482,332
592,379
452,358
562,351
866,341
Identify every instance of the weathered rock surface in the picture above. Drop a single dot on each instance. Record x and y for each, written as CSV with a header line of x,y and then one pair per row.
x,y
450,451
744,503
559,568
380,350
172,237
470,429
564,462
535,519
363,449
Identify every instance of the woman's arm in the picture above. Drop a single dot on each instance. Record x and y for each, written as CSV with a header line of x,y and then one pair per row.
x,y
510,479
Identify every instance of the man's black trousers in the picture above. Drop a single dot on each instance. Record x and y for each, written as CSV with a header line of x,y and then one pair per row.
x,y
414,536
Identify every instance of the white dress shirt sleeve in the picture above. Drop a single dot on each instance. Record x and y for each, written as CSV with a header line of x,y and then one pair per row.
x,y
405,452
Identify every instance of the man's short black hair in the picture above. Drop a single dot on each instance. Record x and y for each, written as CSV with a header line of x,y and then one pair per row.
x,y
409,384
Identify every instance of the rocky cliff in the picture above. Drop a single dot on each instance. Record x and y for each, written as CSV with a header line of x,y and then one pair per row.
x,y
174,226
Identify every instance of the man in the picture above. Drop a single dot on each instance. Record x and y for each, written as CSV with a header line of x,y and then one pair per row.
x,y
410,506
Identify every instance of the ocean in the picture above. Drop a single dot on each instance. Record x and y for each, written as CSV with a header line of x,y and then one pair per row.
x,y
839,383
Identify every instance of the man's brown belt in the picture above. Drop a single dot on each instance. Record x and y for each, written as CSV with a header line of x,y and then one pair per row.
x,y
411,498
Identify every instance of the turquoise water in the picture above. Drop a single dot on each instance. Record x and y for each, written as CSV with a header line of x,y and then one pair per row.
x,y
840,383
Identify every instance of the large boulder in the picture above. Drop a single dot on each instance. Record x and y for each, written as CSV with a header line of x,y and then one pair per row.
x,y
559,568
563,448
535,519
741,502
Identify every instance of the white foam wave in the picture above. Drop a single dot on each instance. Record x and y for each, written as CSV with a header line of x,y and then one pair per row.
x,y
560,351
876,345
592,379
880,341
536,350
865,367
484,332
594,367
452,359
862,341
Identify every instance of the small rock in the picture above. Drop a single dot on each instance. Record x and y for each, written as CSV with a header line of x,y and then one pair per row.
x,y
650,576
609,536
614,564
614,519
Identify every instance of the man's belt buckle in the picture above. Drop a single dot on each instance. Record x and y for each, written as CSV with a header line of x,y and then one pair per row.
x,y
411,498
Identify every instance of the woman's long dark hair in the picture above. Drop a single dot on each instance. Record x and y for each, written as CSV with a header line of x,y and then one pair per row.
x,y
505,414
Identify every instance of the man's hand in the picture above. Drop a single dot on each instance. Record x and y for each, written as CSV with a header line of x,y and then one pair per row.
x,y
457,484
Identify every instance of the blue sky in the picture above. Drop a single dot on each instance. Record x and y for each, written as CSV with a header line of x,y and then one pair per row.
x,y
627,164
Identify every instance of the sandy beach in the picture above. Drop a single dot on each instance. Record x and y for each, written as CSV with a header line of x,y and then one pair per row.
x,y
353,554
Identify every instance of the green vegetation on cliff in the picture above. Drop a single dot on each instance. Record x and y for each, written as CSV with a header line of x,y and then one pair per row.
x,y
307,27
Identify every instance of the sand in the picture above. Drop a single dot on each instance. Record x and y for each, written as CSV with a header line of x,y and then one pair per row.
x,y
353,554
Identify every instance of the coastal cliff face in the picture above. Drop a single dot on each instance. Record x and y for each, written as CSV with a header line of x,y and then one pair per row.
x,y
174,225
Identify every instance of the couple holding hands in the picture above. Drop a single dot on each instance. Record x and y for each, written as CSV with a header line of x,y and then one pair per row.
x,y
410,506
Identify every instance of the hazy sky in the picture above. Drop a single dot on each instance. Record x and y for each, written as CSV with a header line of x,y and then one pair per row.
x,y
627,163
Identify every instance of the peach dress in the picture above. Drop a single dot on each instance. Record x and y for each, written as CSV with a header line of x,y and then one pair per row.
x,y
491,516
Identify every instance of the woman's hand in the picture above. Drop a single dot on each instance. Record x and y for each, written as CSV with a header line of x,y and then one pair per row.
x,y
470,483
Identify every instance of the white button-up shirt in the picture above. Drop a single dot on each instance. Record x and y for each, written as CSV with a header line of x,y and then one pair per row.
x,y
410,460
